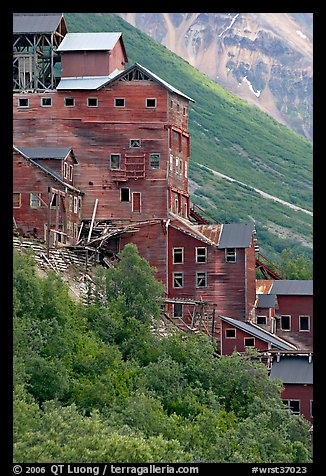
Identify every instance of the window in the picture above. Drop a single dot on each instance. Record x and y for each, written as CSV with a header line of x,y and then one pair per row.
x,y
135,143
23,102
92,102
249,342
17,200
177,310
69,102
180,170
230,333
184,111
65,170
293,405
124,195
34,200
119,102
230,255
177,165
154,161
171,162
285,323
178,280
150,102
75,204
115,161
186,169
177,255
201,255
261,320
304,323
71,168
201,280
46,102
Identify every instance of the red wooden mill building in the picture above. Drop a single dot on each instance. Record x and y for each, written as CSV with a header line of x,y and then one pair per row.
x,y
100,159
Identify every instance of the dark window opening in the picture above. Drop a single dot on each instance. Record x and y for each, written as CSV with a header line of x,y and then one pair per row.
x,y
119,102
69,102
115,161
178,280
201,280
125,195
177,255
249,341
23,102
261,320
285,323
150,102
177,310
230,333
92,102
46,102
304,323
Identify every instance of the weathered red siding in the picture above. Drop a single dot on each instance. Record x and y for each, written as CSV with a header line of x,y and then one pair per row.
x,y
228,345
304,393
296,306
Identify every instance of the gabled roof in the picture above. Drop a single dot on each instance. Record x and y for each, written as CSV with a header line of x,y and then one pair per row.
x,y
266,301
256,331
94,41
292,287
36,22
236,235
48,171
295,370
57,153
98,82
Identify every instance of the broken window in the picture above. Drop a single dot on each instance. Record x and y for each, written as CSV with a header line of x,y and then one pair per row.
x,y
135,143
177,255
178,280
285,323
201,280
115,161
125,194
230,255
201,255
230,333
154,161
150,102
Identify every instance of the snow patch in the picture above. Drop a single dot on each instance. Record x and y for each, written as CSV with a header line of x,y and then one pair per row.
x,y
230,26
256,93
301,34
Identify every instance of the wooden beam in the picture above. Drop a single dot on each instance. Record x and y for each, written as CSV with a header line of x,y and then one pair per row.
x,y
92,222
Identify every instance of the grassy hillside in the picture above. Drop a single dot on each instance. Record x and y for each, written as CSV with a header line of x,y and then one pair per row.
x,y
233,138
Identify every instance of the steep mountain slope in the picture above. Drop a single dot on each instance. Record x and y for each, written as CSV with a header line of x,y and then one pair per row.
x,y
234,139
264,58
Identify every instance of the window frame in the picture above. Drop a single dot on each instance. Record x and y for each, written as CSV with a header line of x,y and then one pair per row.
x,y
173,310
230,329
19,105
251,338
158,159
92,98
308,321
121,194
288,403
75,204
47,99
182,255
65,170
177,275
197,256
199,286
151,99
119,99
229,255
71,172
261,323
119,158
281,327
19,195
37,196
132,143
69,98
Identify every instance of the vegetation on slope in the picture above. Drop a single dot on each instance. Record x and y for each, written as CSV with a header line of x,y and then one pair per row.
x,y
234,138
97,382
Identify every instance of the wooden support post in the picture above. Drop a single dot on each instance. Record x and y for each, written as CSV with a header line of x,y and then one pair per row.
x,y
92,222
213,321
48,225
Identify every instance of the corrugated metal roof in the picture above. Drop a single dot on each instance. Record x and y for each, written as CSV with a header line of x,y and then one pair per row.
x,y
263,286
256,331
103,41
266,301
45,152
292,287
212,232
293,370
236,235
85,82
36,22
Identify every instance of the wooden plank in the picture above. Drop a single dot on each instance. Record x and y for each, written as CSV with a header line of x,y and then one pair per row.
x,y
92,222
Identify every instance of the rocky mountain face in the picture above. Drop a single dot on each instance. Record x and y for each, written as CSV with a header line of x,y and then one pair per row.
x,y
264,58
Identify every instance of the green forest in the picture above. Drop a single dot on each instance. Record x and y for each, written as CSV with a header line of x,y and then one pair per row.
x,y
234,138
96,381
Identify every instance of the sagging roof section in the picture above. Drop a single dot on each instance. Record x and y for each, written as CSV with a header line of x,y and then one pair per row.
x,y
293,370
36,22
260,333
